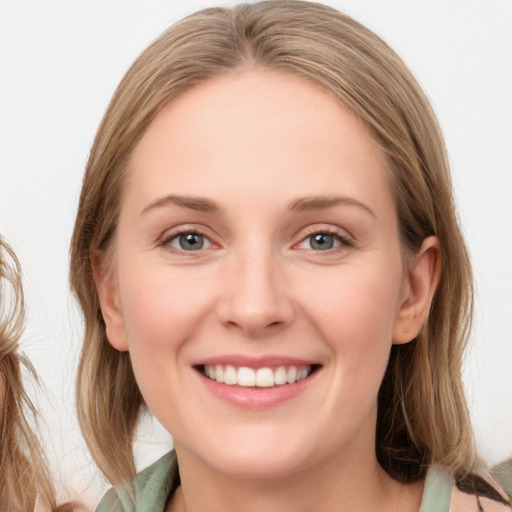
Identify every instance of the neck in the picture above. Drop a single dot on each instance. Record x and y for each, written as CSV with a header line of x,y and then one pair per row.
x,y
353,483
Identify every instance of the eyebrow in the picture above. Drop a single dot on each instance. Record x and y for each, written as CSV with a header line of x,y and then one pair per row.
x,y
192,203
301,204
323,202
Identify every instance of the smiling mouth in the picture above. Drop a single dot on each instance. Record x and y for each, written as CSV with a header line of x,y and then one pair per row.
x,y
265,377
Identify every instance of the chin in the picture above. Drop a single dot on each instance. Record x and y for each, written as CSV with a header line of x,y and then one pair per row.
x,y
247,456
267,464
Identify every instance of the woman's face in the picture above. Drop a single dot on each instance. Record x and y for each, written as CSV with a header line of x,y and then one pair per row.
x,y
257,245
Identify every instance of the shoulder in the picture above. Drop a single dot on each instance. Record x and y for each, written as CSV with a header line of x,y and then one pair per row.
x,y
151,487
479,493
484,492
502,473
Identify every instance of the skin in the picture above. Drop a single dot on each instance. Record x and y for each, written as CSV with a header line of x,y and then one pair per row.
x,y
253,144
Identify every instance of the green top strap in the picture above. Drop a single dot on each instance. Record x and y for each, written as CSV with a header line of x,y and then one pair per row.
x,y
438,490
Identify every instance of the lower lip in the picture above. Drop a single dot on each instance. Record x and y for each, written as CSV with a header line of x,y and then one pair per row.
x,y
254,397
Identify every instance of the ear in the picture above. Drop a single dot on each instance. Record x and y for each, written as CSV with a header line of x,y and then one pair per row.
x,y
108,296
419,286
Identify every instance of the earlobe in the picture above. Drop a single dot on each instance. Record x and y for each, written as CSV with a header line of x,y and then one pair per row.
x,y
106,288
419,287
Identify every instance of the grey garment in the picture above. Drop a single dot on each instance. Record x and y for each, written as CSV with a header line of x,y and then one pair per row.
x,y
153,487
502,473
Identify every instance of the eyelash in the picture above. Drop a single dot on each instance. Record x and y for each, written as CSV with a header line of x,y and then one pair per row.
x,y
342,239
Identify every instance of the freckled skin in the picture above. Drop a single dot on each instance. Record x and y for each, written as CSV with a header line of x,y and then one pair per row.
x,y
252,144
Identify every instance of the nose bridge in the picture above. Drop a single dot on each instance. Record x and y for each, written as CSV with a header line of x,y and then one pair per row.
x,y
257,300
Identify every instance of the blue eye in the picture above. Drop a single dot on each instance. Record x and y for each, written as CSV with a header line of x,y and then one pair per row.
x,y
322,242
189,242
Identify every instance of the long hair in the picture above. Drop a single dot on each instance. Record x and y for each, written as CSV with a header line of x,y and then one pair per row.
x,y
24,475
422,412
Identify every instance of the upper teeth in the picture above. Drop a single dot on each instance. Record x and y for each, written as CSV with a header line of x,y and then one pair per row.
x,y
261,377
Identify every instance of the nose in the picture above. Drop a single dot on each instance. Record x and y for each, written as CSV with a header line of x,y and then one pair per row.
x,y
255,297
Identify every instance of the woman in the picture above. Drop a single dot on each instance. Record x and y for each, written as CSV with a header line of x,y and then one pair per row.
x,y
25,483
267,256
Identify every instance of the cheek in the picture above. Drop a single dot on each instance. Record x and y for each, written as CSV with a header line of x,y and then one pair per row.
x,y
355,312
162,309
356,307
161,306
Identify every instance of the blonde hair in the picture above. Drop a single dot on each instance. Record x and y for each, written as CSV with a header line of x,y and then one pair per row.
x,y
24,475
423,417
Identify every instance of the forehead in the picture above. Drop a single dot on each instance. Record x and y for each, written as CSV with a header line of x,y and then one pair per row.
x,y
262,131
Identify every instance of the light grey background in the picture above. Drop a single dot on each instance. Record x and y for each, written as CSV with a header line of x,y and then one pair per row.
x,y
60,61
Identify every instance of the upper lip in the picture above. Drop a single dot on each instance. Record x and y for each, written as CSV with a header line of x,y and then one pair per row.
x,y
269,361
